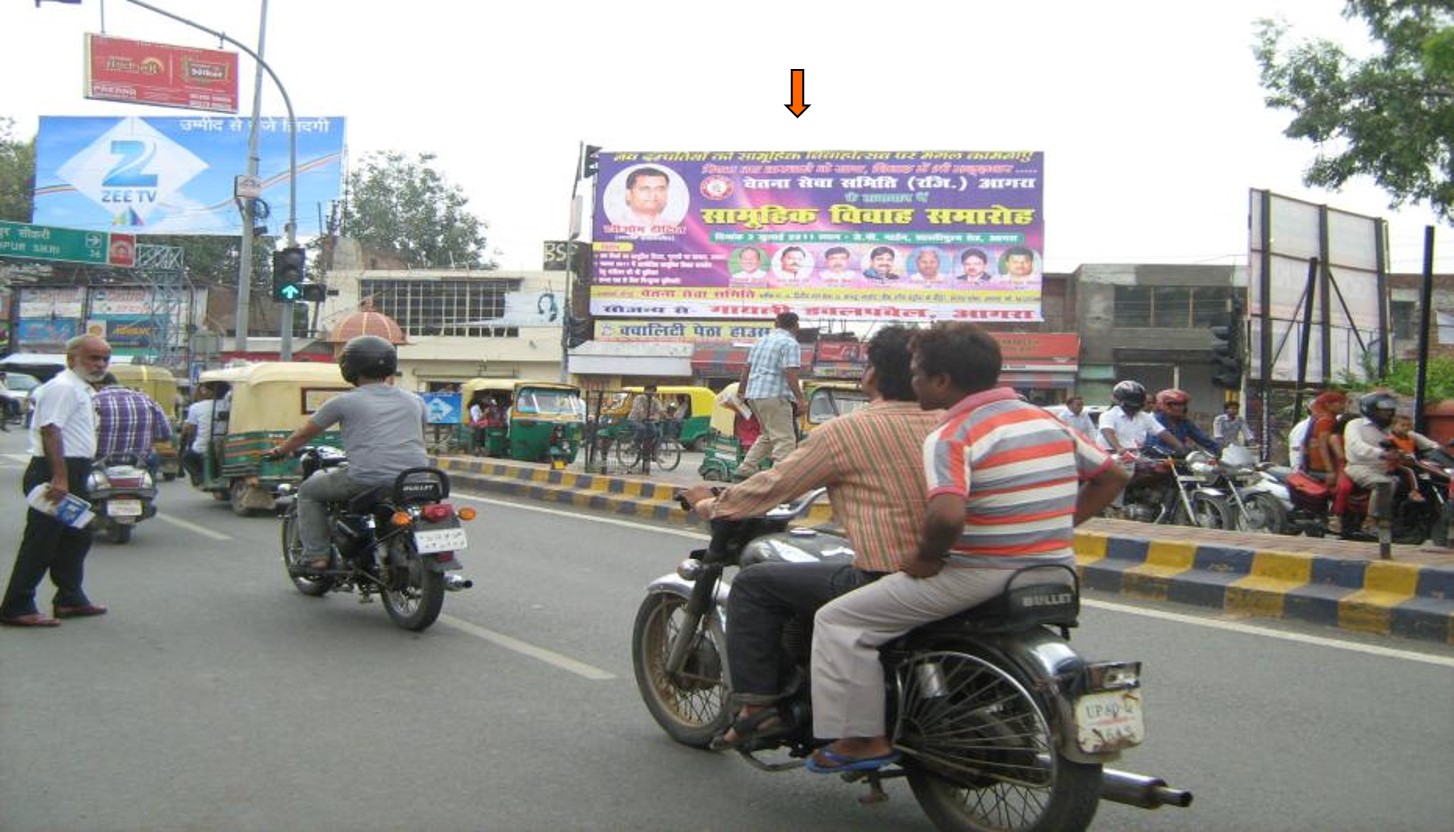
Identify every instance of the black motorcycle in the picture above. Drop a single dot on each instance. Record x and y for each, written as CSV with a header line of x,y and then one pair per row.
x,y
1000,724
398,540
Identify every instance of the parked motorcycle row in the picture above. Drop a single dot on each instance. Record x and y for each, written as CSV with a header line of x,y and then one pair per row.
x,y
1236,492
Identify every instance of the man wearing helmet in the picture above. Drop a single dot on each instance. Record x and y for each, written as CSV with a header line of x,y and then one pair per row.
x,y
1127,426
1171,407
383,434
1369,463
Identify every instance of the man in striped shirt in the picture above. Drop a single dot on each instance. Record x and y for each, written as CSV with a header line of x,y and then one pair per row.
x,y
1007,483
870,462
128,422
769,383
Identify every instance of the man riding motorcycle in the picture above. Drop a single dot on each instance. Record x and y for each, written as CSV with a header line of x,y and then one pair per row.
x,y
1369,461
1171,407
871,460
383,434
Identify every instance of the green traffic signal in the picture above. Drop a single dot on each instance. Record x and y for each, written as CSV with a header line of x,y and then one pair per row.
x,y
289,272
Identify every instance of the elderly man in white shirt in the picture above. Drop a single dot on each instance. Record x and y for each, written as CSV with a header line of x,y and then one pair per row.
x,y
1073,414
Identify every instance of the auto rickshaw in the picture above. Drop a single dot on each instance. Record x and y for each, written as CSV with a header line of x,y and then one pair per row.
x,y
828,400
545,420
264,403
160,385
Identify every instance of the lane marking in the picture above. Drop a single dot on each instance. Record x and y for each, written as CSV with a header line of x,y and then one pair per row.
x,y
550,657
1249,629
193,527
1180,618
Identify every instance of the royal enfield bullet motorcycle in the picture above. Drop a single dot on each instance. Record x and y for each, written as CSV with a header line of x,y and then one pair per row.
x,y
1000,724
399,541
122,494
1174,490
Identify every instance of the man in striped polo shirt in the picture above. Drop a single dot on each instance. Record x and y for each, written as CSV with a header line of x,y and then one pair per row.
x,y
769,383
870,461
1007,483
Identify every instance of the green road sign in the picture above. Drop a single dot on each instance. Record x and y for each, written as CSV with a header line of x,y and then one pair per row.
x,y
43,242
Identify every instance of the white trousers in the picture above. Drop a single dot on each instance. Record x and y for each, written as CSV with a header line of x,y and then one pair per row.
x,y
848,680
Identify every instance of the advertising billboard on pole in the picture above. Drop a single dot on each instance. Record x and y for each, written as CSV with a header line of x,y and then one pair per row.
x,y
175,175
138,72
854,235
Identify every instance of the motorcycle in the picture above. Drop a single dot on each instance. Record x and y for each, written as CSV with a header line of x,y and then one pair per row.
x,y
999,722
1174,490
400,541
1310,501
122,494
1256,506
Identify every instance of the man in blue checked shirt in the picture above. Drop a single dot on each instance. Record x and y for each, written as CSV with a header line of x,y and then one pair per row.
x,y
770,385
128,422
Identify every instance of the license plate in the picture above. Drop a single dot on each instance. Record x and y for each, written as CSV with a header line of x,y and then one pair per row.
x,y
124,508
1109,720
439,540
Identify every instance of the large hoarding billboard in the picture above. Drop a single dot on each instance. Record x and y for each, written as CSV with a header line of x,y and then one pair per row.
x,y
138,72
853,235
175,175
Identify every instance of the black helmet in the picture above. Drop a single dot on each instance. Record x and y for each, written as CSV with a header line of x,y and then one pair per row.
x,y
1129,392
367,356
1378,408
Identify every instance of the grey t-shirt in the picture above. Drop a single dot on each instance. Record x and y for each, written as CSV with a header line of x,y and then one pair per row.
x,y
383,431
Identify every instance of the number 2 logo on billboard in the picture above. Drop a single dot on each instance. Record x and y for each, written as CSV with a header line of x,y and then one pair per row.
x,y
129,172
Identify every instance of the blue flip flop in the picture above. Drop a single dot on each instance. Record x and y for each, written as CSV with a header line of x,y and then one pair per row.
x,y
842,763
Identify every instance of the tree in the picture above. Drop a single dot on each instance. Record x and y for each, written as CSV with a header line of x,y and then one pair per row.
x,y
17,175
406,207
1389,116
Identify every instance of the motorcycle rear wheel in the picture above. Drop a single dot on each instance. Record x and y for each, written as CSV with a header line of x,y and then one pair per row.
x,y
119,533
417,596
1265,513
691,706
980,752
293,558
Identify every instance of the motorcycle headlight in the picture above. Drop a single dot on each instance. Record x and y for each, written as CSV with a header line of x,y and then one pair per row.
x,y
1205,472
97,480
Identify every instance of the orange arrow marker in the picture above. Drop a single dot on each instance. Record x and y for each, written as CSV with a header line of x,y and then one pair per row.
x,y
796,88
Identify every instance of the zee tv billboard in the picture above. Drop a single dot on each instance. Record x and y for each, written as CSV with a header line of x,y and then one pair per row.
x,y
175,175
854,235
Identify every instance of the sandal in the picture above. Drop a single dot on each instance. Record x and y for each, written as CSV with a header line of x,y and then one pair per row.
x,y
749,728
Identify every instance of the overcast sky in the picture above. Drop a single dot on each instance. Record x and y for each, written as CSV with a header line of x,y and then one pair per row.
x,y
1149,113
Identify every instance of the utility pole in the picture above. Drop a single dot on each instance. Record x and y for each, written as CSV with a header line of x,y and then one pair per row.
x,y
244,268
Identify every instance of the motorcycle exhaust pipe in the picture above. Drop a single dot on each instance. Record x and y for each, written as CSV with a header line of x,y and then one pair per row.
x,y
455,583
1141,791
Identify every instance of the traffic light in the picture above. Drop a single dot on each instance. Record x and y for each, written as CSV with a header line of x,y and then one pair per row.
x,y
289,271
1227,354
313,292
590,162
578,331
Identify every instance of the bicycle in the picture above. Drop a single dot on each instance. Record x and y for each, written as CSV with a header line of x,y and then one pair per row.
x,y
649,441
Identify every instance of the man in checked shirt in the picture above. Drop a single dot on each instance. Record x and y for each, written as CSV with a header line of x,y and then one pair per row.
x,y
128,422
871,460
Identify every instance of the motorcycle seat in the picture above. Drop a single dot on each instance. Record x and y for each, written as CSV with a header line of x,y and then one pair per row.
x,y
1040,598
365,501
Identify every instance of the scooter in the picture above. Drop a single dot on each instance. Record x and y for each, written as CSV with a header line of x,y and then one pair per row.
x,y
122,494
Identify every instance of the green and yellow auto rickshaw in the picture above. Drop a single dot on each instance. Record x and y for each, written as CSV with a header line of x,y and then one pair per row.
x,y
828,399
258,406
160,386
544,420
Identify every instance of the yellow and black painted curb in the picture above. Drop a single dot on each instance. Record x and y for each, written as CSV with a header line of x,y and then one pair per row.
x,y
1402,599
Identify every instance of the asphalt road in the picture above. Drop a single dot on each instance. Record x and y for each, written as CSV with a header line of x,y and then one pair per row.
x,y
217,697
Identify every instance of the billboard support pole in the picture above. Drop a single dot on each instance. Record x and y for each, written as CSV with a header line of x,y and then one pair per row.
x,y
244,267
285,351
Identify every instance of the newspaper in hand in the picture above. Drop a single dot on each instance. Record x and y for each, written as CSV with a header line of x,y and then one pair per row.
x,y
72,510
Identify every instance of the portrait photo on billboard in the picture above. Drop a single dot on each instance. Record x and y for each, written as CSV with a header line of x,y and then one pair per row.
x,y
645,200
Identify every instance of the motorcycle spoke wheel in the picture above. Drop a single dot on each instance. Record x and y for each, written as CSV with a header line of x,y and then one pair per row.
x,y
1262,513
980,752
414,596
690,705
293,560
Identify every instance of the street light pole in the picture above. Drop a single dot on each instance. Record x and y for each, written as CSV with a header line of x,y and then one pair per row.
x,y
285,351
